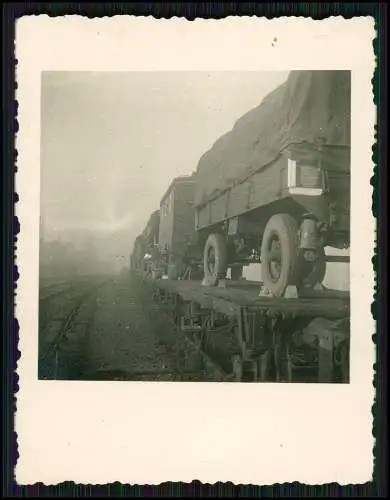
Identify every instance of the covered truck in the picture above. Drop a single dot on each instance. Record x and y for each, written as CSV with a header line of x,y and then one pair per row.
x,y
137,255
177,225
277,186
146,243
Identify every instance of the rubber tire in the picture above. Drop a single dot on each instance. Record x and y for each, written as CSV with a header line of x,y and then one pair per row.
x,y
317,273
218,242
286,228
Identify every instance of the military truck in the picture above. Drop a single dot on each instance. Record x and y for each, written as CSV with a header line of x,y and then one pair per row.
x,y
145,243
137,255
177,226
276,188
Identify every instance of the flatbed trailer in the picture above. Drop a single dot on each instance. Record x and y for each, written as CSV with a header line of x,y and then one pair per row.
x,y
266,339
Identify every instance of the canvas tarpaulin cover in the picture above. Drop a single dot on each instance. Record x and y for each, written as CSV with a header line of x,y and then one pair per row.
x,y
310,108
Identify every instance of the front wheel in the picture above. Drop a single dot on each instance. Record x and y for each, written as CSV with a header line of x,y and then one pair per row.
x,y
215,258
279,254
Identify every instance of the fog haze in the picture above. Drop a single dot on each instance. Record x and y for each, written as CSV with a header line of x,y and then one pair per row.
x,y
112,143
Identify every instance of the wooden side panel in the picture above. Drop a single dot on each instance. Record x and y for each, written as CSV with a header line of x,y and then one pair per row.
x,y
183,218
203,219
218,208
268,184
238,200
260,189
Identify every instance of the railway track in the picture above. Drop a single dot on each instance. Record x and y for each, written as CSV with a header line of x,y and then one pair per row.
x,y
53,289
127,342
61,330
47,286
134,337
74,348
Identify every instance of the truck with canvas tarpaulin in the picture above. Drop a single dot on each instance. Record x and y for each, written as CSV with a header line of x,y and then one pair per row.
x,y
276,188
145,244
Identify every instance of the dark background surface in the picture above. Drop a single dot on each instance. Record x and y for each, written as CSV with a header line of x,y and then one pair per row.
x,y
11,11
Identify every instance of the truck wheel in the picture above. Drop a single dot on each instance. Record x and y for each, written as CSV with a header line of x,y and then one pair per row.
x,y
314,272
279,254
215,258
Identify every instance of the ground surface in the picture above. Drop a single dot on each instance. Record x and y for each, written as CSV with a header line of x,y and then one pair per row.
x,y
118,334
130,339
100,328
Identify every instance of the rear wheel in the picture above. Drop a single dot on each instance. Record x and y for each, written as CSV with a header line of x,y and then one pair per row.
x,y
215,258
279,254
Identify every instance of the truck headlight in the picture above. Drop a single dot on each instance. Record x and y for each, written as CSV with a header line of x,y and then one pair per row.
x,y
305,178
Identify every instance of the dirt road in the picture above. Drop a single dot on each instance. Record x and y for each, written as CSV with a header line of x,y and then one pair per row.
x,y
127,341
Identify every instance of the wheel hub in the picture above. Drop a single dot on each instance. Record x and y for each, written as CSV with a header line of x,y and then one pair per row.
x,y
211,260
275,259
310,255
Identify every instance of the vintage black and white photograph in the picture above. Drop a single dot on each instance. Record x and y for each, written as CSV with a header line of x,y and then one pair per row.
x,y
195,226
195,206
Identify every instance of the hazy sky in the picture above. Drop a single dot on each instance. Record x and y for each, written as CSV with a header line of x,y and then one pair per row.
x,y
112,142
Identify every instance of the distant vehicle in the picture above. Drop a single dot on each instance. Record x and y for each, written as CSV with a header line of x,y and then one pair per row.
x,y
145,242
275,189
177,225
136,257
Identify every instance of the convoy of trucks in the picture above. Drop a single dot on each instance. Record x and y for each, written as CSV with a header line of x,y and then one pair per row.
x,y
274,190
